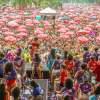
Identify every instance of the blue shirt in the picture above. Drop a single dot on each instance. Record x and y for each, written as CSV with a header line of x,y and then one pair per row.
x,y
93,97
37,90
2,64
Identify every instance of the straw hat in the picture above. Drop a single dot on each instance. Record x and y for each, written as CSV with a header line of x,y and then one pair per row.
x,y
78,58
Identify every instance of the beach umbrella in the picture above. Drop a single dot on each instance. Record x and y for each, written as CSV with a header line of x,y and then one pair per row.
x,y
40,29
61,30
83,31
82,39
87,29
70,33
72,22
97,26
22,30
8,33
22,34
57,20
29,25
10,39
5,29
64,37
42,36
38,32
72,27
47,24
91,26
98,38
61,26
30,39
65,22
22,27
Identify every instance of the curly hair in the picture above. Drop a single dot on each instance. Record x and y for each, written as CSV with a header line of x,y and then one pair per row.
x,y
8,67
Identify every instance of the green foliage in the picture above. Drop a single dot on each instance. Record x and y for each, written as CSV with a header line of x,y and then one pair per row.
x,y
21,3
45,4
56,4
4,1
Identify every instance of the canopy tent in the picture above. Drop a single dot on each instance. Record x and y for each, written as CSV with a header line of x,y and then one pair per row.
x,y
48,11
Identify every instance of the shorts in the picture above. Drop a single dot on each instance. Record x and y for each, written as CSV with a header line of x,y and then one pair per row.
x,y
36,69
10,82
56,72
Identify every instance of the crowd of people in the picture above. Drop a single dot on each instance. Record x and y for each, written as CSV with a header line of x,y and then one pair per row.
x,y
73,63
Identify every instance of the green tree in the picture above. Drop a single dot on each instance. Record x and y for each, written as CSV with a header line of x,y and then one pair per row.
x,y
45,4
21,3
56,4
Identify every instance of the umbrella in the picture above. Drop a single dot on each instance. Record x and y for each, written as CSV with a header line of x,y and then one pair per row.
x,y
66,29
47,24
5,29
72,22
61,30
26,16
83,31
22,34
0,35
38,32
64,17
98,38
91,26
22,30
70,33
21,27
61,26
36,22
82,39
57,20
64,37
65,22
8,33
92,17
72,27
87,29
60,18
26,13
29,25
42,36
92,23
41,29
10,39
30,38
97,26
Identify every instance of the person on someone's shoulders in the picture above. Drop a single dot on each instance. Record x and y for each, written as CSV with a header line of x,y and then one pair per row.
x,y
86,55
2,62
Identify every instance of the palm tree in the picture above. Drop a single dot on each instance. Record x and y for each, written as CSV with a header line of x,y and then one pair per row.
x,y
21,3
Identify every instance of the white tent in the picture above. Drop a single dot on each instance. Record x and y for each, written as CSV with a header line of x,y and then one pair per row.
x,y
48,11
